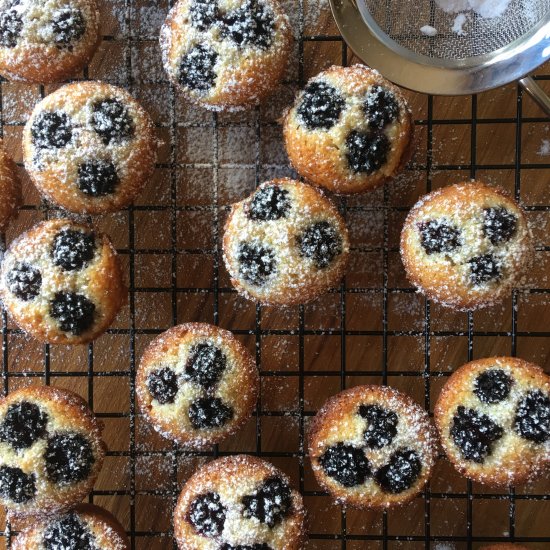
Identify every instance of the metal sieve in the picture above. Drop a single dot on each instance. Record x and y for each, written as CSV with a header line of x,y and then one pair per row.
x,y
489,53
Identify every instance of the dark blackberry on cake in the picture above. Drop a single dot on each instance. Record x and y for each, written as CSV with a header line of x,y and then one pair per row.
x,y
86,527
269,203
346,464
89,147
50,451
23,424
197,384
73,249
51,130
493,416
239,503
226,54
256,263
372,447
466,246
285,244
349,130
61,281
321,106
366,151
47,40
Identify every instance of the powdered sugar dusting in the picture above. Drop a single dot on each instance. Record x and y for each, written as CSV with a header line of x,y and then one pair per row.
x,y
485,8
428,30
289,256
544,149
197,384
49,480
377,426
454,232
230,58
500,435
239,501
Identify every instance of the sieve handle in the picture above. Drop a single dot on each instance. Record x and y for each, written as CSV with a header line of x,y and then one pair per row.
x,y
536,92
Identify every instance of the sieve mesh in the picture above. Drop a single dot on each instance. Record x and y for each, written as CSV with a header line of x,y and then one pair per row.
x,y
402,20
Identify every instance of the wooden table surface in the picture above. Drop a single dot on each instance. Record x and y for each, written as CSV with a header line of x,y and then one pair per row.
x,y
208,161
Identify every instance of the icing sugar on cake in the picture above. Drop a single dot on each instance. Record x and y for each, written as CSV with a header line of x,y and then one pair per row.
x,y
85,527
493,416
372,447
239,502
466,245
50,450
62,282
285,244
226,54
47,40
349,130
197,384
89,147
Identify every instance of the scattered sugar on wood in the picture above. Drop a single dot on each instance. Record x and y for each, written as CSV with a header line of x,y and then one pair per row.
x,y
272,165
544,149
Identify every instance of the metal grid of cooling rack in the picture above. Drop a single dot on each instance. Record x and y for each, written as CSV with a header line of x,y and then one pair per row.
x,y
330,526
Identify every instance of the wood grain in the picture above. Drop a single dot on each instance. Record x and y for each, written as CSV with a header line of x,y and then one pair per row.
x,y
219,159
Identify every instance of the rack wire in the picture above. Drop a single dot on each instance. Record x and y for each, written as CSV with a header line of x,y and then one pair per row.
x,y
374,328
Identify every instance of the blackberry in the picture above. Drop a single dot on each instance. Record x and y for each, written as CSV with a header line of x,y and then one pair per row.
x,y
499,224
204,13
209,412
68,26
256,263
97,178
474,434
346,464
270,503
163,385
484,269
320,106
68,533
24,281
24,424
72,250
205,365
400,473
438,236
252,24
268,204
207,514
112,121
73,312
69,458
380,107
16,485
51,130
197,68
320,242
492,386
381,426
11,26
532,420
367,151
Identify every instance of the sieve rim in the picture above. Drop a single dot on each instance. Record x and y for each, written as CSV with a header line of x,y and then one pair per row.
x,y
433,75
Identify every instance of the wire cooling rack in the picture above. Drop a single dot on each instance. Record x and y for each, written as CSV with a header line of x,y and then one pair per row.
x,y
373,329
